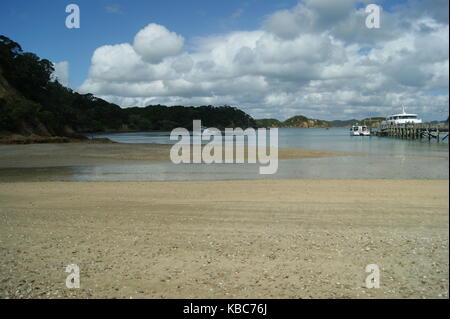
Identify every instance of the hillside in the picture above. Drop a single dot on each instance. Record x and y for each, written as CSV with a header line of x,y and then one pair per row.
x,y
32,104
301,121
304,122
293,122
374,121
268,123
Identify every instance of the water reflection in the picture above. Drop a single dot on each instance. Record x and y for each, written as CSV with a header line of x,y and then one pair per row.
x,y
379,158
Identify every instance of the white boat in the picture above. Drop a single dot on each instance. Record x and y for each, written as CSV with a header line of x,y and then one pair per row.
x,y
359,130
402,118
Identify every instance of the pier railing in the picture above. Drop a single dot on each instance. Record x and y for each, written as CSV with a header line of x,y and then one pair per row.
x,y
438,132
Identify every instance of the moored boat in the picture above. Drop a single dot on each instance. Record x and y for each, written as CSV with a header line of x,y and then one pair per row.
x,y
401,118
359,130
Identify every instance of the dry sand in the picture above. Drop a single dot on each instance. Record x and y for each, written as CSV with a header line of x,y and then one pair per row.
x,y
274,239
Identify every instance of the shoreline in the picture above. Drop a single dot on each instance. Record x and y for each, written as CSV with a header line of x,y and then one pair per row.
x,y
18,139
79,154
151,162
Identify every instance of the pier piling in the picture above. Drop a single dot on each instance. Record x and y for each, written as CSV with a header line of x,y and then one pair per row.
x,y
415,131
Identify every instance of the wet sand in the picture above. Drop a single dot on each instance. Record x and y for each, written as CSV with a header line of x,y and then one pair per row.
x,y
257,239
78,154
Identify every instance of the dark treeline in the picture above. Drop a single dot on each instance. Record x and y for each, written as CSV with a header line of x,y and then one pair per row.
x,y
32,102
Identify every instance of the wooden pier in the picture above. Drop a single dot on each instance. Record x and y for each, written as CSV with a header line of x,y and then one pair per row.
x,y
437,132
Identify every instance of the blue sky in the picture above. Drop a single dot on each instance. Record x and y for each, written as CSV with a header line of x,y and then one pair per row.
x,y
39,26
266,57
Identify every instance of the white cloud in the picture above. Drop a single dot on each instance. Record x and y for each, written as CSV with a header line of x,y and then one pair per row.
x,y
290,23
155,42
298,63
61,72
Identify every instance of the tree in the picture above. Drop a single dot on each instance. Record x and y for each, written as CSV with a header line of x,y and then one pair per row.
x,y
9,50
44,101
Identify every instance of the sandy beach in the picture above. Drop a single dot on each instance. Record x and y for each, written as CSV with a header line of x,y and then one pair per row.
x,y
246,239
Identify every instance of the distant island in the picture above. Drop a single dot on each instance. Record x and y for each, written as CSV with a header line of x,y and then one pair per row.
x,y
298,121
301,121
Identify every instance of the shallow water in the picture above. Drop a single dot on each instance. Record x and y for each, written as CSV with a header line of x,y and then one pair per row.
x,y
377,158
324,168
335,139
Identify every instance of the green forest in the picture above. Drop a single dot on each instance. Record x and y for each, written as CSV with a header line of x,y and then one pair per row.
x,y
293,122
32,102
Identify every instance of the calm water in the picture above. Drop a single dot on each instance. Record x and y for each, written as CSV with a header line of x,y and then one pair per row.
x,y
377,158
335,139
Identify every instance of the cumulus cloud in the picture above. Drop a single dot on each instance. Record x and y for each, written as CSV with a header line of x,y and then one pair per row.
x,y
316,59
61,72
155,42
